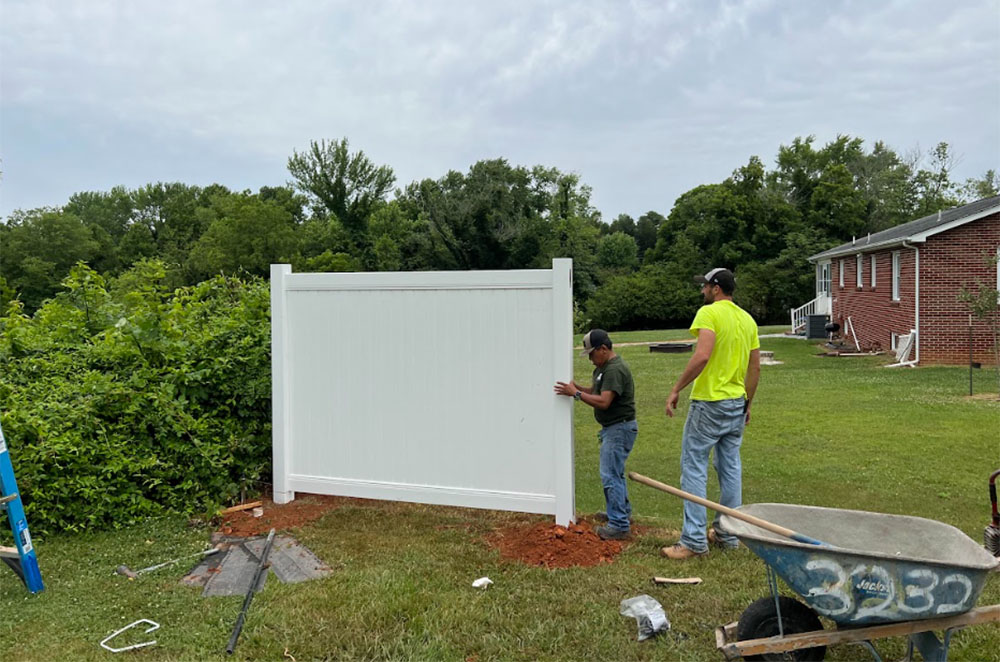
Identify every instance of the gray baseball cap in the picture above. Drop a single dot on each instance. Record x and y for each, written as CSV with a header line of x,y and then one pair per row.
x,y
595,338
722,277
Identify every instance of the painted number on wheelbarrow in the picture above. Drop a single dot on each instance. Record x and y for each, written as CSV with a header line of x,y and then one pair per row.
x,y
965,583
875,590
832,588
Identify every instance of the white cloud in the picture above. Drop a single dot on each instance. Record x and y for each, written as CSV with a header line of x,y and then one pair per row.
x,y
687,90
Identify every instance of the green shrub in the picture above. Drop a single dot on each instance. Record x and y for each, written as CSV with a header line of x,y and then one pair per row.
x,y
658,296
127,401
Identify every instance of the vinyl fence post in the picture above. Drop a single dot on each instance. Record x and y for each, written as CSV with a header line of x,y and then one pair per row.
x,y
280,419
562,366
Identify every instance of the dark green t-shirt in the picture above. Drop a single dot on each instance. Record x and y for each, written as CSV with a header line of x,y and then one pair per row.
x,y
615,376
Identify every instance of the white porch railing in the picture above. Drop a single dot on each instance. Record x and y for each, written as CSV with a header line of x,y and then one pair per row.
x,y
800,315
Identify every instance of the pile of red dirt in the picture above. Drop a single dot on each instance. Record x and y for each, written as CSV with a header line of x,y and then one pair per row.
x,y
552,546
300,511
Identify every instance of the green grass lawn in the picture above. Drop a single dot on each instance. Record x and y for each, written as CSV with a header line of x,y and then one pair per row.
x,y
844,433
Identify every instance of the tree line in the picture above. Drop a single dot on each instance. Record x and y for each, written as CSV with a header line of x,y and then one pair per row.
x,y
342,212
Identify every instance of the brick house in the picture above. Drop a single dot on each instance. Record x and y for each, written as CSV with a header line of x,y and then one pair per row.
x,y
908,278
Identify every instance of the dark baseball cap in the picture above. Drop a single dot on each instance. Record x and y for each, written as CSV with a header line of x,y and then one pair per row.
x,y
718,276
595,338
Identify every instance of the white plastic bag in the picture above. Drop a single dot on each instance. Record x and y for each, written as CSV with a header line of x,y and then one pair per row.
x,y
648,613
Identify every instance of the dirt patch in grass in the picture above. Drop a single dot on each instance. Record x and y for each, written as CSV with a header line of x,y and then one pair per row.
x,y
552,546
287,516
988,397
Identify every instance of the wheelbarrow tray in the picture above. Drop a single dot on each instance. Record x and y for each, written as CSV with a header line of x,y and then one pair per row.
x,y
874,568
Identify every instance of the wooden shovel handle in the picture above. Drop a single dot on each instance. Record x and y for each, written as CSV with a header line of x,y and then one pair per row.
x,y
718,507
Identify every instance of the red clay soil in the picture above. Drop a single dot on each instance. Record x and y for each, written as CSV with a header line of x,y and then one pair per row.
x,y
552,546
290,515
541,543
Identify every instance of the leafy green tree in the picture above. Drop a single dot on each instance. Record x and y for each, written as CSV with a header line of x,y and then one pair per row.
x,y
657,296
39,247
167,211
622,223
249,235
347,186
645,231
285,197
498,216
977,188
836,208
329,262
935,189
399,243
885,182
7,294
617,253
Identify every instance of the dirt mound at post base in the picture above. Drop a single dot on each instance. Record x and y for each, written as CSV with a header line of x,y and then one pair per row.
x,y
297,513
552,546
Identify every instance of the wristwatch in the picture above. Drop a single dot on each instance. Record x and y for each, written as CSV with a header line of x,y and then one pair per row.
x,y
578,395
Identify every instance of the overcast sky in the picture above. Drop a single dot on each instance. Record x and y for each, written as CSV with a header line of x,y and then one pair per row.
x,y
644,100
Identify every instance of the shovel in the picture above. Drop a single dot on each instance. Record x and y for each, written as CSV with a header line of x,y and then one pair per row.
x,y
718,507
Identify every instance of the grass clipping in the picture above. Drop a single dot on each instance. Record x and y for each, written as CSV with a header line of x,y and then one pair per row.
x,y
552,546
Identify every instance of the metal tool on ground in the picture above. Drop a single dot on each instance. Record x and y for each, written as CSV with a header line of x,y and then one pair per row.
x,y
21,558
991,536
153,626
262,567
718,507
132,574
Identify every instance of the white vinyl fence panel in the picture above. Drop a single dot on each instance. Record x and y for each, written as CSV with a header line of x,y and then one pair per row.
x,y
432,387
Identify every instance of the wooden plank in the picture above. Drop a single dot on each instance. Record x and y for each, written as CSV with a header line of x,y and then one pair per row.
x,y
10,552
830,637
723,635
676,580
242,506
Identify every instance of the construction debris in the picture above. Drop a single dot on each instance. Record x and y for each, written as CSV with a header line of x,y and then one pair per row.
x,y
229,573
242,506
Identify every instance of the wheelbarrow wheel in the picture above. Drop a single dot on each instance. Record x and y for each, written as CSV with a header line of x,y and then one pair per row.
x,y
760,620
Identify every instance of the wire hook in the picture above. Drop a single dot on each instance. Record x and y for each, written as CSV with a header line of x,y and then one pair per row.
x,y
154,624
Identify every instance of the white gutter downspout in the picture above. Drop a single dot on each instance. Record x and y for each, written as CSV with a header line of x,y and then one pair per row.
x,y
916,294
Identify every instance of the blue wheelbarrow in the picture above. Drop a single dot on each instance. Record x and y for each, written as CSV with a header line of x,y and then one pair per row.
x,y
874,575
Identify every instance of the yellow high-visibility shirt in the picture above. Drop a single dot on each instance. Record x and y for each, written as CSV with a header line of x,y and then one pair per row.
x,y
735,337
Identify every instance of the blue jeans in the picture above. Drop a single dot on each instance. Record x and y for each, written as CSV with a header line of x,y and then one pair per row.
x,y
709,425
616,443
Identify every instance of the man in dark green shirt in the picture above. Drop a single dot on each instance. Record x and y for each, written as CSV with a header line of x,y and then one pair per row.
x,y
612,396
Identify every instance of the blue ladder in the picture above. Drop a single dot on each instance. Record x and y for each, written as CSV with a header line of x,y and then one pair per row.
x,y
21,559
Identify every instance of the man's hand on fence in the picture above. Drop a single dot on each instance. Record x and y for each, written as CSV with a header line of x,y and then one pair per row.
x,y
566,388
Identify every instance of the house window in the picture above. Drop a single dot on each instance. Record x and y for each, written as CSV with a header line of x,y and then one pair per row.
x,y
823,283
873,272
840,270
860,269
895,275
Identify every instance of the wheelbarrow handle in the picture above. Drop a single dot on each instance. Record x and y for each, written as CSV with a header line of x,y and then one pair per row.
x,y
718,507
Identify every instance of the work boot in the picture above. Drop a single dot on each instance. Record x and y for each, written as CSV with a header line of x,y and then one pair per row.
x,y
679,552
713,539
602,517
607,533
